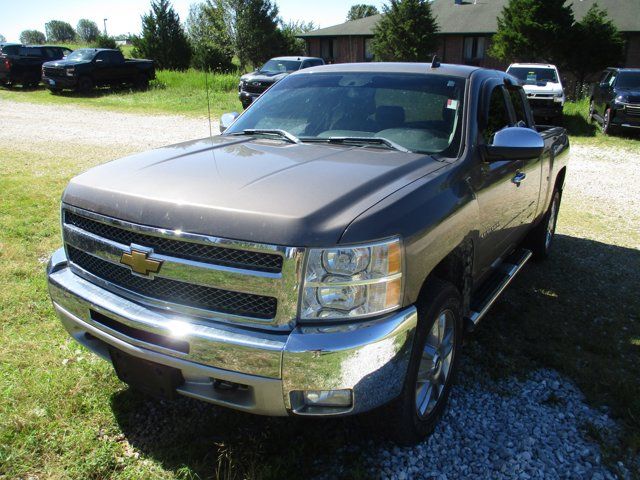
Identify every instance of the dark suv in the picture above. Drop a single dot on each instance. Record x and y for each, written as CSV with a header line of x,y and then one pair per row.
x,y
254,84
615,99
22,64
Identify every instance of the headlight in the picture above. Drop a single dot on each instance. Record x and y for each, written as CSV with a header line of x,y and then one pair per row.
x,y
70,72
351,282
558,97
621,99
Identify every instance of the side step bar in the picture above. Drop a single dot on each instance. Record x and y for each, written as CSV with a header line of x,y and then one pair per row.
x,y
505,273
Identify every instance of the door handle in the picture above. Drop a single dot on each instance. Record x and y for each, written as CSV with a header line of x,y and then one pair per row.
x,y
518,178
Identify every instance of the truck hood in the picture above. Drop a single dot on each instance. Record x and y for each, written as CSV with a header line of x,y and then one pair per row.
x,y
631,95
64,63
263,77
248,189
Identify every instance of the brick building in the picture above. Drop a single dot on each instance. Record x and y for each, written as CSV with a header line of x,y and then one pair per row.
x,y
466,28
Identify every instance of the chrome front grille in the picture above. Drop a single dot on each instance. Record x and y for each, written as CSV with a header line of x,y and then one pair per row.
x,y
203,277
632,109
264,262
176,292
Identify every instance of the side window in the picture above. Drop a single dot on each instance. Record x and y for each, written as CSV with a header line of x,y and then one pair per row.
x,y
517,100
315,63
305,64
498,117
102,58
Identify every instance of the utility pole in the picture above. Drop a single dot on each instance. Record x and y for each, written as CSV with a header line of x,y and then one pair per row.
x,y
105,26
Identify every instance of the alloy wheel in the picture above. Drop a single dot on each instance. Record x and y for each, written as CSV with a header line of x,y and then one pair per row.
x,y
435,365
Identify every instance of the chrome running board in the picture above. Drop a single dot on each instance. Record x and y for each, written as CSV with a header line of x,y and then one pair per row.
x,y
503,276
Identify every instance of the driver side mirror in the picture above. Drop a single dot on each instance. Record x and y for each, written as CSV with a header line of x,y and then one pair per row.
x,y
227,119
514,143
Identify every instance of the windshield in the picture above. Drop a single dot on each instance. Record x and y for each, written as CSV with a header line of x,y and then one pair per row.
x,y
628,80
534,76
280,66
419,112
82,54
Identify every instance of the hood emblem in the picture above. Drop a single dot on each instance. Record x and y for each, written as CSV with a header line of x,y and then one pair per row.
x,y
140,263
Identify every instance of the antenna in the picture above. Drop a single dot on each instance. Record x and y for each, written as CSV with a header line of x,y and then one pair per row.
x,y
435,63
206,82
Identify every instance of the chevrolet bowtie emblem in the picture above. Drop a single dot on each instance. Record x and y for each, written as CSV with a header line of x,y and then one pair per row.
x,y
139,262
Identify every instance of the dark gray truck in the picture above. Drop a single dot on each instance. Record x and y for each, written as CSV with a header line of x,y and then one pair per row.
x,y
86,68
326,254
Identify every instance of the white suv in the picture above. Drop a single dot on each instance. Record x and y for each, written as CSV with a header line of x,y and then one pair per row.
x,y
543,87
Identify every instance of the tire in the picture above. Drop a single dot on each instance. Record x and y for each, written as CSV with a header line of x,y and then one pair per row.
x,y
592,109
414,414
607,128
142,82
540,239
85,84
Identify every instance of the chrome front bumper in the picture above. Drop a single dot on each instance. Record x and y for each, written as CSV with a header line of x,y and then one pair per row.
x,y
369,358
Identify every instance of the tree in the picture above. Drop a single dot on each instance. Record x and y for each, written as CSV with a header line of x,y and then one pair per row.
x,y
533,30
87,30
33,37
59,31
253,28
2,38
361,10
210,41
595,44
163,39
291,44
406,32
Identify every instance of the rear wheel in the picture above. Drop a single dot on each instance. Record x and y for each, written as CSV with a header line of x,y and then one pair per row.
x,y
434,361
540,239
142,82
85,84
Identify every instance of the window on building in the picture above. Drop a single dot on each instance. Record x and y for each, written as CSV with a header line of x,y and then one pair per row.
x,y
474,49
368,49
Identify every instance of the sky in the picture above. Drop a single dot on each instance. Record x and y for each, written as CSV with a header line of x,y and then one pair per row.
x,y
123,16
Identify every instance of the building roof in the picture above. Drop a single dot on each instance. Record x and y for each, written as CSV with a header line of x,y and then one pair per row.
x,y
481,16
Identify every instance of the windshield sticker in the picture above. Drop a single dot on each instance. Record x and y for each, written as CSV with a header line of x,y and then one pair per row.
x,y
451,83
532,77
452,104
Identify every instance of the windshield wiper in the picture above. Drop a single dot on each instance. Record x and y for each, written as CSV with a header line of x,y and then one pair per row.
x,y
362,140
289,137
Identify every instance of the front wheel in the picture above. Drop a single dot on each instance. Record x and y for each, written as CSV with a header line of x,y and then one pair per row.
x,y
434,361
85,84
607,128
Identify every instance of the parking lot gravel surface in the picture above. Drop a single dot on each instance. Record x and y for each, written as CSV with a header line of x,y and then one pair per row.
x,y
528,428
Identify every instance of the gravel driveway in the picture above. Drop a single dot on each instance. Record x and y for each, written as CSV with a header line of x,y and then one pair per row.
x,y
493,429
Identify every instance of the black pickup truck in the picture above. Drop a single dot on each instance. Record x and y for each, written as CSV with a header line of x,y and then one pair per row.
x,y
87,68
325,255
22,64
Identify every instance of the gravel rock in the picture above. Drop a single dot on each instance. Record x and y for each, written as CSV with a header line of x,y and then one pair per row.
x,y
484,434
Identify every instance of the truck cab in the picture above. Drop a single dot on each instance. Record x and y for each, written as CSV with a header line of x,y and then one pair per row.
x,y
544,89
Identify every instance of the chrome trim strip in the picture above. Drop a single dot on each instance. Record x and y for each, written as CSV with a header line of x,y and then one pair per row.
x,y
366,281
178,234
283,286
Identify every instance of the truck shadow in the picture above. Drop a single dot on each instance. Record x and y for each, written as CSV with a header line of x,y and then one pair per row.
x,y
577,313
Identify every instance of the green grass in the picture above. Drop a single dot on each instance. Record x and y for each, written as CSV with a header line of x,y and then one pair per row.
x,y
172,92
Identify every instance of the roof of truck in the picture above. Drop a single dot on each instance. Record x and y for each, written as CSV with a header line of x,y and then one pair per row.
x,y
396,67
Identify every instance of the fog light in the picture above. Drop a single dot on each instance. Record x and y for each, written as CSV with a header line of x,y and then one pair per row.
x,y
327,398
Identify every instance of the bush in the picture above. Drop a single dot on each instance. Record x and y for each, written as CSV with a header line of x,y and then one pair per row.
x,y
104,41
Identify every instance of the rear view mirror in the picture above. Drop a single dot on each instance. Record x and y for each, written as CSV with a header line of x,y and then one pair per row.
x,y
227,119
514,143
